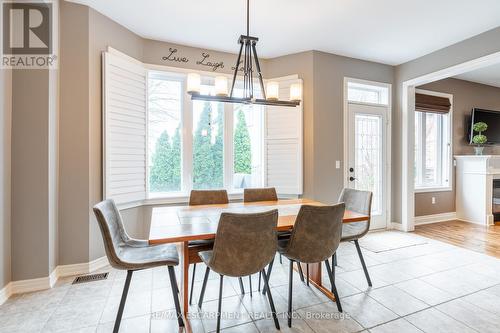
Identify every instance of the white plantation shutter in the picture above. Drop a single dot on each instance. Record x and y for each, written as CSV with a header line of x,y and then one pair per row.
x,y
283,143
125,121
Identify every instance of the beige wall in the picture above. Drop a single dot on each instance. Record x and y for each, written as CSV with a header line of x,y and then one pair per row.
x,y
5,158
466,95
329,73
30,174
470,49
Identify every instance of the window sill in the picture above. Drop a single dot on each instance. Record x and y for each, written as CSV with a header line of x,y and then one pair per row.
x,y
433,189
180,199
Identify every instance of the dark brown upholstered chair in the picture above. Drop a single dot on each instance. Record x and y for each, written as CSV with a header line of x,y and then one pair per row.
x,y
259,194
206,197
245,244
315,238
263,194
130,254
359,202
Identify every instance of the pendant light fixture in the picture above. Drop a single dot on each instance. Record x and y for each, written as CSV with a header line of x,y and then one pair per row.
x,y
250,59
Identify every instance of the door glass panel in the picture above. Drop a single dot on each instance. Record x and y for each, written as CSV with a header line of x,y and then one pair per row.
x,y
368,157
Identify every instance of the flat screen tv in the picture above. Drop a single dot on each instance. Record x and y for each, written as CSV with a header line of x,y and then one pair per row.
x,y
492,119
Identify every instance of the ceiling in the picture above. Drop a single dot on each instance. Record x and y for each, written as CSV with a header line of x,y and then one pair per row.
x,y
386,31
488,75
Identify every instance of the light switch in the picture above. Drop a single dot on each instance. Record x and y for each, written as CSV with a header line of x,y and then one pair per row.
x,y
433,200
337,164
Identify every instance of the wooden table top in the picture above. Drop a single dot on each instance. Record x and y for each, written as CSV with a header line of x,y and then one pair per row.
x,y
175,224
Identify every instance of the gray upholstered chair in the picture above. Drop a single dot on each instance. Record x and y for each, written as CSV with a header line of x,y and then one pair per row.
x,y
126,253
244,244
315,238
199,198
360,202
260,194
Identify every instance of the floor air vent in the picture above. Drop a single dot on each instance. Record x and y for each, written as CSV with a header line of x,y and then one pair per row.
x,y
90,278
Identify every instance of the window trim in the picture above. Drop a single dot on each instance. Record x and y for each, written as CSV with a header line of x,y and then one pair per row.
x,y
449,187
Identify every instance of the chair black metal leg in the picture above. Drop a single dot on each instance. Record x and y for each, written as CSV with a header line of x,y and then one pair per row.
x,y
203,287
173,284
290,282
260,277
241,286
219,308
118,319
192,285
334,259
334,287
250,284
281,259
269,269
301,274
307,274
271,303
363,263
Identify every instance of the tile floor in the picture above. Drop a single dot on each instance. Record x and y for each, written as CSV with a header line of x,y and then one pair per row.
x,y
429,287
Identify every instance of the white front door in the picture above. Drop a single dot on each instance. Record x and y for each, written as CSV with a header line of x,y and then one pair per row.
x,y
367,156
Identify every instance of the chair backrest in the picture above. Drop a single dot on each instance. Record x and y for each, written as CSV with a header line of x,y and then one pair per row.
x,y
208,197
245,243
259,194
360,202
357,200
112,230
316,233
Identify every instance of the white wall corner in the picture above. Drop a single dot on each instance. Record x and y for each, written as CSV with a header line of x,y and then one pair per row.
x,y
427,219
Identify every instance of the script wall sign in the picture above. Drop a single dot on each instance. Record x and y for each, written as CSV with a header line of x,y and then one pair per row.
x,y
203,60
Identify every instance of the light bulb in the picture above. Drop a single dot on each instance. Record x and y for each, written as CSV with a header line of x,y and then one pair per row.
x,y
221,86
193,83
272,92
296,92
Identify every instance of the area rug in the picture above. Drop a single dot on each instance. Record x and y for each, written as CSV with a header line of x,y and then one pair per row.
x,y
387,241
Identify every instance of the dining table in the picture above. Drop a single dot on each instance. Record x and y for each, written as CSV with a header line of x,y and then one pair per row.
x,y
184,224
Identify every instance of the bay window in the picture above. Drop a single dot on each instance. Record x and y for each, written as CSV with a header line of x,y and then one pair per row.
x,y
158,143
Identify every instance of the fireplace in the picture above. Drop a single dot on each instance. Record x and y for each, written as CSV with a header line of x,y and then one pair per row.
x,y
496,200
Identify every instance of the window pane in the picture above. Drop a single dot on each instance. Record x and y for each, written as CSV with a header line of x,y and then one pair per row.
x,y
247,136
164,103
364,93
430,174
208,147
368,151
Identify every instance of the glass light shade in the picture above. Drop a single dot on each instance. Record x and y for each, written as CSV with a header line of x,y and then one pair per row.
x,y
193,83
296,92
272,91
221,86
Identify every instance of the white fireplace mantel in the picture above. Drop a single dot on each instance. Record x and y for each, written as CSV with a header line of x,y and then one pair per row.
x,y
474,187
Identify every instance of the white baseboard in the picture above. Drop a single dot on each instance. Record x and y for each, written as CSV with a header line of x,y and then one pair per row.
x,y
83,268
396,226
5,293
25,286
419,220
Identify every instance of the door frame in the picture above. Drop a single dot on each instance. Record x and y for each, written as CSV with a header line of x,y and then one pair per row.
x,y
388,143
408,129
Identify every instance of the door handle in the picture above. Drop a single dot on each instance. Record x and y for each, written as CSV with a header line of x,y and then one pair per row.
x,y
352,178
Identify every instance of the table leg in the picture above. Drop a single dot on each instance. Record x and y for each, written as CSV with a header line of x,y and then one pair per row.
x,y
184,277
315,279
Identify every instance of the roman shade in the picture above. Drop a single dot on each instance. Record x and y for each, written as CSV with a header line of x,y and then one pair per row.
x,y
432,104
